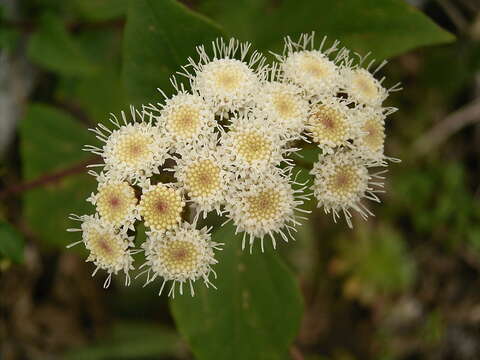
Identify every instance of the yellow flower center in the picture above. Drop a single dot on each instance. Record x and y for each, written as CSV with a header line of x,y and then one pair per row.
x,y
365,85
115,201
161,207
184,121
374,134
315,67
229,78
104,248
253,146
134,148
265,205
328,125
202,178
344,182
179,257
285,105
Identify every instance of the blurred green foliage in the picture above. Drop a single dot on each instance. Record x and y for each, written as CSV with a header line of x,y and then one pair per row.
x,y
375,264
51,141
11,243
131,340
450,211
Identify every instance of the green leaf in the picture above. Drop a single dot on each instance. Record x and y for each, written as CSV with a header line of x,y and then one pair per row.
x,y
11,242
55,49
131,340
159,37
101,93
254,313
309,155
386,28
100,10
236,17
9,39
51,141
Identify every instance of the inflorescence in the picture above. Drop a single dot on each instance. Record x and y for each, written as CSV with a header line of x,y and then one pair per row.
x,y
225,142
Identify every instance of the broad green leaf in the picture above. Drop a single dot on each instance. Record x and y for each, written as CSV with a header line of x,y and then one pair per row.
x,y
100,93
51,141
159,37
11,242
254,313
52,47
131,340
236,17
100,10
308,155
386,28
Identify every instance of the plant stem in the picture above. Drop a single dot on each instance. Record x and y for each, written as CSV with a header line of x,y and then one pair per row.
x,y
48,178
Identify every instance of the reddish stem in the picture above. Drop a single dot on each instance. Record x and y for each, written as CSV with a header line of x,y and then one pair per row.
x,y
48,178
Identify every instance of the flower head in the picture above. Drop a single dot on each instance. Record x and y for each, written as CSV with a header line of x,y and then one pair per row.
x,y
264,205
223,80
182,255
135,150
342,181
115,201
201,172
362,87
371,138
161,207
252,145
109,249
186,118
284,107
311,68
331,124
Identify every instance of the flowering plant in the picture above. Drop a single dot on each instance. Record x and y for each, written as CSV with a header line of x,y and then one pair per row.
x,y
226,142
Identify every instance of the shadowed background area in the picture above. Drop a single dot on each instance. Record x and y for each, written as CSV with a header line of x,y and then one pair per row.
x,y
404,285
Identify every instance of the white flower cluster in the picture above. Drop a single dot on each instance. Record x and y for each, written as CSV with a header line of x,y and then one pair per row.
x,y
223,143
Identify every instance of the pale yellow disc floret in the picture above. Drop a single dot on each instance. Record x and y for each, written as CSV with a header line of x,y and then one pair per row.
x,y
362,87
345,183
315,66
313,71
134,148
286,105
328,126
229,77
161,207
364,83
106,249
179,257
182,255
253,146
228,83
342,181
115,202
265,205
374,134
134,151
184,121
202,178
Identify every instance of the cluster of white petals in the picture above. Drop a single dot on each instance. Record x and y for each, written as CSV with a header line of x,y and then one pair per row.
x,y
227,142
